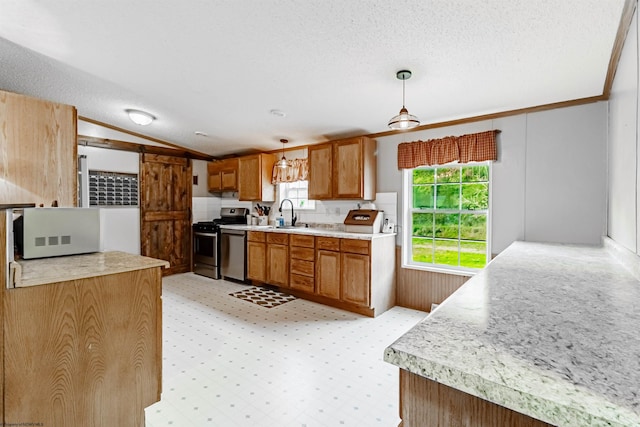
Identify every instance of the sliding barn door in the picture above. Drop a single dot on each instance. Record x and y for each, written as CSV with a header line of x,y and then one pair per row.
x,y
165,210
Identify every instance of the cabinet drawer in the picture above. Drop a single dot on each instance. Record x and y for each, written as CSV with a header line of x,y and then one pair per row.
x,y
278,238
307,254
328,243
303,283
256,236
305,268
354,246
304,241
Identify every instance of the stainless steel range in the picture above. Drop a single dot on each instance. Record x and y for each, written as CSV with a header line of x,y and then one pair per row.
x,y
212,249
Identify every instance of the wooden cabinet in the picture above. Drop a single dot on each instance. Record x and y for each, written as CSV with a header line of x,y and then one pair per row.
x,y
302,264
254,178
320,171
223,175
356,267
344,169
328,271
278,259
39,161
93,354
256,256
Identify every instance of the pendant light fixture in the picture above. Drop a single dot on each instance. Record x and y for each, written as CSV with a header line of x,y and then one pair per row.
x,y
403,120
283,162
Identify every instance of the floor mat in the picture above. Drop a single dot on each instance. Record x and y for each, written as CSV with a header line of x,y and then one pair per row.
x,y
262,296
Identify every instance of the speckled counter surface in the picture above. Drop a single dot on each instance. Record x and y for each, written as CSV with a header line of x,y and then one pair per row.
x,y
309,231
551,331
51,270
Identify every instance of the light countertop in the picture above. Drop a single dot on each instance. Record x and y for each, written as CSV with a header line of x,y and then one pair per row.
x,y
310,231
551,331
58,269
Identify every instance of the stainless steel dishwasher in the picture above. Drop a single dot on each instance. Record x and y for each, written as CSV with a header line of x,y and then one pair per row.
x,y
234,259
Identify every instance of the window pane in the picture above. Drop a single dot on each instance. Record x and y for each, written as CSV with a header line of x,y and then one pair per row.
x,y
448,175
473,227
475,196
448,196
423,197
446,225
422,224
446,252
473,254
422,250
423,176
475,174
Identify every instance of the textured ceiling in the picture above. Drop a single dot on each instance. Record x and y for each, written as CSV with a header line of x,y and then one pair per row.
x,y
220,66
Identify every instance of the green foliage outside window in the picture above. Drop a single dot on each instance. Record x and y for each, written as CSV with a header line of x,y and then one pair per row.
x,y
449,215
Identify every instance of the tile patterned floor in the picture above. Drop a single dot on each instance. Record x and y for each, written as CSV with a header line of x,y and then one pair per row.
x,y
230,363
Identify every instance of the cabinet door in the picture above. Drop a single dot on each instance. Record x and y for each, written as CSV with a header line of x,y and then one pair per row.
x,y
278,265
214,183
355,278
38,151
256,261
347,158
328,274
229,180
249,178
320,171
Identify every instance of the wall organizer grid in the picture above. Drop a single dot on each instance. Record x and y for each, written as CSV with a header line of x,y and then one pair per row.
x,y
113,188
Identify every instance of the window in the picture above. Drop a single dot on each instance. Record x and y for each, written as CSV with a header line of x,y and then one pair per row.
x,y
447,212
298,193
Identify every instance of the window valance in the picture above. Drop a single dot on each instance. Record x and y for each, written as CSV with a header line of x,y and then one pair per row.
x,y
475,147
297,171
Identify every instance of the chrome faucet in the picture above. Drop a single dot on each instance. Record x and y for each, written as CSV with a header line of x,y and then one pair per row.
x,y
293,217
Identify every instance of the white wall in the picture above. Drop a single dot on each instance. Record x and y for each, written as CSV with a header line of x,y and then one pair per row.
x,y
120,226
533,197
623,153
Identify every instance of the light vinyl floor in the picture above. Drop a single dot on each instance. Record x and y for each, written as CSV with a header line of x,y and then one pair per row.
x,y
229,362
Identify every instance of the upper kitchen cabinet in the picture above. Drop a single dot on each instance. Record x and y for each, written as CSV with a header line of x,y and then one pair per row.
x,y
223,175
38,158
254,178
344,169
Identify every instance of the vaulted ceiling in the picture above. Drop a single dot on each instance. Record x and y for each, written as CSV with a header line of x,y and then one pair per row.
x,y
221,66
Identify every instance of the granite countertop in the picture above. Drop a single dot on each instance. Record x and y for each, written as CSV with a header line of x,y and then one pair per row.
x,y
58,269
550,331
312,231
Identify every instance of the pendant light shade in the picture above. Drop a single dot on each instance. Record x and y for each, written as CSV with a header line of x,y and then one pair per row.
x,y
283,162
403,120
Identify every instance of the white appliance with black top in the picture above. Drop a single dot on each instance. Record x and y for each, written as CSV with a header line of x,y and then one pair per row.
x,y
216,252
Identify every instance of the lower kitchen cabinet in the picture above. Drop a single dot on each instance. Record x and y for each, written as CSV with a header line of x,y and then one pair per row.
x,y
256,256
355,278
302,265
352,274
278,259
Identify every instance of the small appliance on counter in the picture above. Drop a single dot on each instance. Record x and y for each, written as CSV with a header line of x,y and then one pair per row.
x,y
49,232
363,221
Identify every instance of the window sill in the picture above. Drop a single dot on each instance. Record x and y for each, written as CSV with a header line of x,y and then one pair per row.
x,y
442,270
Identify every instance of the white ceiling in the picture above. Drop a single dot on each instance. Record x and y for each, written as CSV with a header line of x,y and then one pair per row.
x,y
220,66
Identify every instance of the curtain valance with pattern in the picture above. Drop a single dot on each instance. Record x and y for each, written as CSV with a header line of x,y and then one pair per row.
x,y
475,147
297,171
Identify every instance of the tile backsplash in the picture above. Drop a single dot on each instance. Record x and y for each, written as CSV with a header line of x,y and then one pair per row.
x,y
326,212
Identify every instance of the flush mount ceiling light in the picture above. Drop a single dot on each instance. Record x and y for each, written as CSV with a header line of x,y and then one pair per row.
x,y
403,120
139,117
283,162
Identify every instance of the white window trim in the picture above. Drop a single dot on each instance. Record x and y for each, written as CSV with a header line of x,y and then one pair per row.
x,y
406,261
280,198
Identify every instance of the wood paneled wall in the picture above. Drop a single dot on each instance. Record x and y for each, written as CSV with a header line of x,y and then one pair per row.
x,y
419,289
